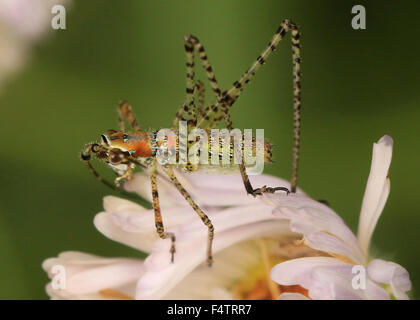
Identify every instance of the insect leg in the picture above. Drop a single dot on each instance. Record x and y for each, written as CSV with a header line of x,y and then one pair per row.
x,y
125,112
198,210
200,89
248,186
128,174
158,216
187,110
96,149
215,114
192,43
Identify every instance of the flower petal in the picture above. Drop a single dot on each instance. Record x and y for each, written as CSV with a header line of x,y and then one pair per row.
x,y
321,227
393,274
229,218
232,264
161,276
377,191
111,276
325,278
86,275
115,204
207,189
292,296
137,228
140,183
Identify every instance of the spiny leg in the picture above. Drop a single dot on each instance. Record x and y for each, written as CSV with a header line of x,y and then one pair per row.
x,y
200,89
229,97
192,42
158,216
297,101
125,112
187,110
127,175
191,112
188,114
259,191
248,186
198,210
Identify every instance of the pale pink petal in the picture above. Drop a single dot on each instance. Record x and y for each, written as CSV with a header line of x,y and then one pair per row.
x,y
337,283
168,194
206,189
161,276
137,228
299,271
322,228
131,224
233,264
326,242
292,296
377,191
76,262
86,275
229,218
115,204
105,224
111,276
54,294
324,278
393,274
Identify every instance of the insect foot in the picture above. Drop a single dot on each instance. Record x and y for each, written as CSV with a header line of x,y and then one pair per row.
x,y
210,261
118,182
265,189
172,250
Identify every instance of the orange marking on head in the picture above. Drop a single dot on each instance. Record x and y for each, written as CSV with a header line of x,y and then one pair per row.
x,y
138,142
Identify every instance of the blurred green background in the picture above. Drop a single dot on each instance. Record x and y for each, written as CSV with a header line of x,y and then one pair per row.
x,y
357,86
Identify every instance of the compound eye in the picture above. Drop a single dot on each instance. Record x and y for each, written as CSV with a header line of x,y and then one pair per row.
x,y
115,156
115,159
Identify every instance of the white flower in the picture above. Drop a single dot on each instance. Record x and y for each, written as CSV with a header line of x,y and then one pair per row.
x,y
238,260
331,277
251,236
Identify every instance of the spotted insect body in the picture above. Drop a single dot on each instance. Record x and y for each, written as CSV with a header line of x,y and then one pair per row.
x,y
124,150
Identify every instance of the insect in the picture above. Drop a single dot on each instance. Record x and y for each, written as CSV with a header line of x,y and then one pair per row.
x,y
124,150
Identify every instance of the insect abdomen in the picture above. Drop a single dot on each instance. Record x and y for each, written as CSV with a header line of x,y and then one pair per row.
x,y
217,154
